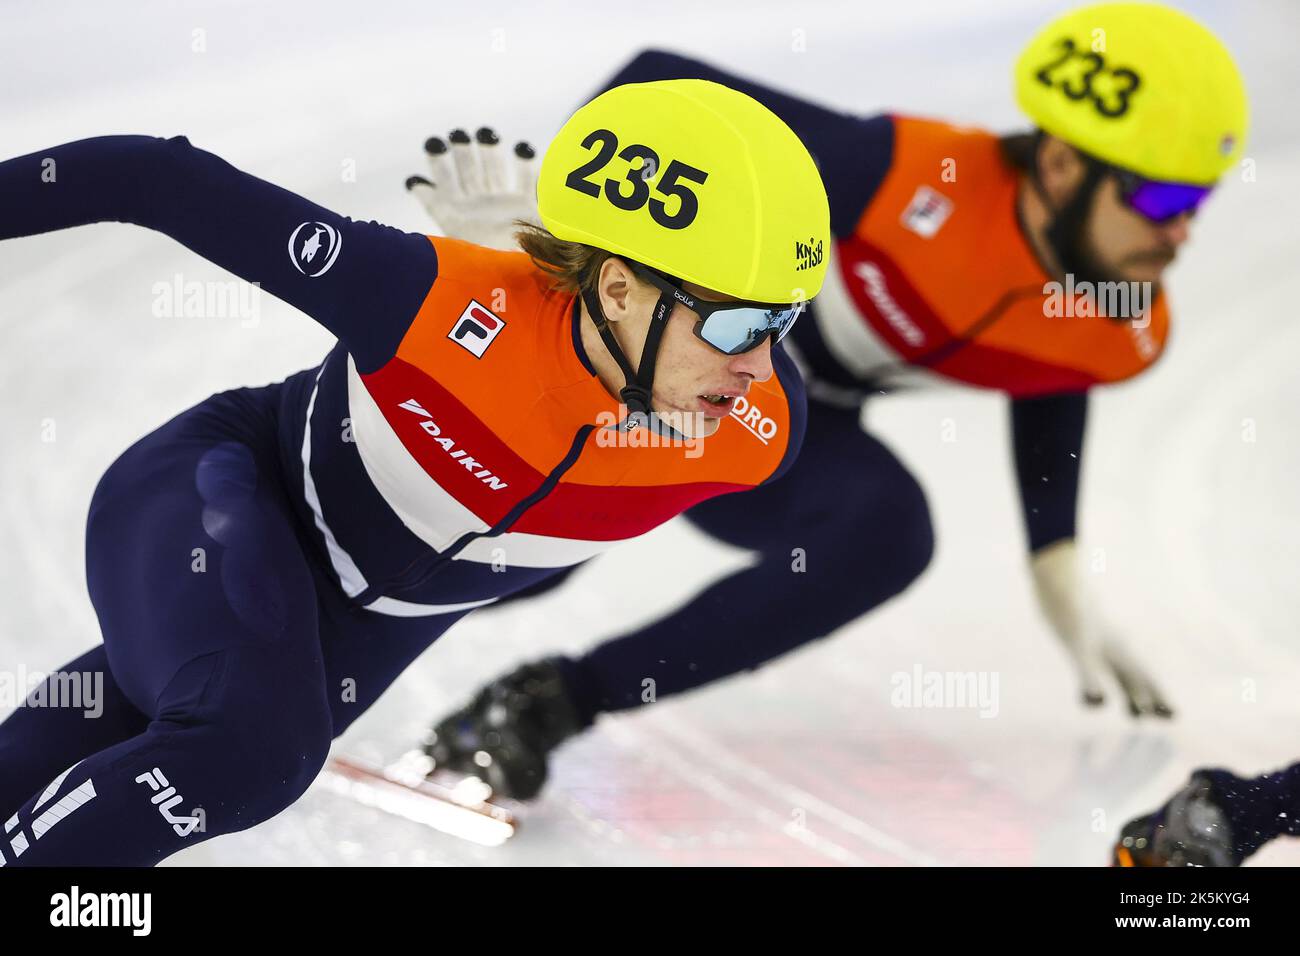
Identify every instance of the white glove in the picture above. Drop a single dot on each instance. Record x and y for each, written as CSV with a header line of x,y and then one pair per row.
x,y
470,194
1092,647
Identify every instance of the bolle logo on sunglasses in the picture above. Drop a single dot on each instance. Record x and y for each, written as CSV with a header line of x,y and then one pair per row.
x,y
808,254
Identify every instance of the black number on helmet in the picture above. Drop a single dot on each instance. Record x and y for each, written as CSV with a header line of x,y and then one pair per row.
x,y
636,177
1044,73
1085,69
578,178
670,186
1118,104
1084,89
633,191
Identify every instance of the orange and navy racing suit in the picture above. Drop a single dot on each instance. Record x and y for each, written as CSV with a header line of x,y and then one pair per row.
x,y
266,563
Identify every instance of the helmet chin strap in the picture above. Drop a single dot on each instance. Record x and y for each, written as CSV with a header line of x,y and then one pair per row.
x,y
636,393
1066,232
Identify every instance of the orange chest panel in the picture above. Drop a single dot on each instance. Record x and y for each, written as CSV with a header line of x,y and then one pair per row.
x,y
488,394
940,271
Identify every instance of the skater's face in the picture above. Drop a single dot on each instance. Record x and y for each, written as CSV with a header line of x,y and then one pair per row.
x,y
695,385
1124,245
1128,245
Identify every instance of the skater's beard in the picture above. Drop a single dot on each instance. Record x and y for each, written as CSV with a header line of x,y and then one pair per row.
x,y
1068,234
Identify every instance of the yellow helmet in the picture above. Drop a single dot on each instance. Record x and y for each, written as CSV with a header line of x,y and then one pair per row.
x,y
696,180
1140,86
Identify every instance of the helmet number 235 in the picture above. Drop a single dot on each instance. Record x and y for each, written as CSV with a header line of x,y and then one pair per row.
x,y
633,192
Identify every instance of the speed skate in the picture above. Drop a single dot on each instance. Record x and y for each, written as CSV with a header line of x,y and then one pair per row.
x,y
411,788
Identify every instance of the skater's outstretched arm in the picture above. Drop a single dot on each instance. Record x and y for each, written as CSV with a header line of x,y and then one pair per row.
x,y
1047,437
363,281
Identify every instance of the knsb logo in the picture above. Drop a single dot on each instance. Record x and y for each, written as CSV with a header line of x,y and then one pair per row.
x,y
476,328
758,424
808,254
313,247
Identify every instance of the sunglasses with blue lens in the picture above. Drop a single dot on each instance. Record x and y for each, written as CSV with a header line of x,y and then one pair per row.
x,y
1156,200
732,327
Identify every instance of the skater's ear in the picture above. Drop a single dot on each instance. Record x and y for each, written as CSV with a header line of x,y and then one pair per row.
x,y
1060,169
622,293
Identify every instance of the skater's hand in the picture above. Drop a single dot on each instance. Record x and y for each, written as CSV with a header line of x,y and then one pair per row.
x,y
471,193
1094,649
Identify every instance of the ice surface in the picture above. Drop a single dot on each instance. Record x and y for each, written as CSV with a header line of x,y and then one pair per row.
x,y
805,762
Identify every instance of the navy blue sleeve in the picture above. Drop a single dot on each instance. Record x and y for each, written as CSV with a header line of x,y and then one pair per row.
x,y
787,374
852,152
1047,438
361,280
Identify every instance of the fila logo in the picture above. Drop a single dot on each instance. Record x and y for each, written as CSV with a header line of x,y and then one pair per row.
x,y
463,458
313,247
165,798
927,212
758,424
476,328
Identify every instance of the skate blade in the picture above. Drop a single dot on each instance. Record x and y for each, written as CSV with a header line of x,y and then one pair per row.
x,y
461,811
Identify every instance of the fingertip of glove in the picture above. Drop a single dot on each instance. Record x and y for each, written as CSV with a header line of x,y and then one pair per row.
x,y
459,137
434,146
486,136
413,181
524,151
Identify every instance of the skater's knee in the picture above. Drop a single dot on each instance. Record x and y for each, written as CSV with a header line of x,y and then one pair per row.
x,y
258,717
282,743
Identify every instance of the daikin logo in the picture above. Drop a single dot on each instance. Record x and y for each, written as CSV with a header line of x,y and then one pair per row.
x,y
463,458
873,282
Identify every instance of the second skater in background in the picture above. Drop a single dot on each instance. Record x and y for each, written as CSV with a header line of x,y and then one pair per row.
x,y
960,257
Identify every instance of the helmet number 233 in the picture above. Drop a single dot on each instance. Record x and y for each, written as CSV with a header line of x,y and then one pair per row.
x,y
672,183
1109,98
